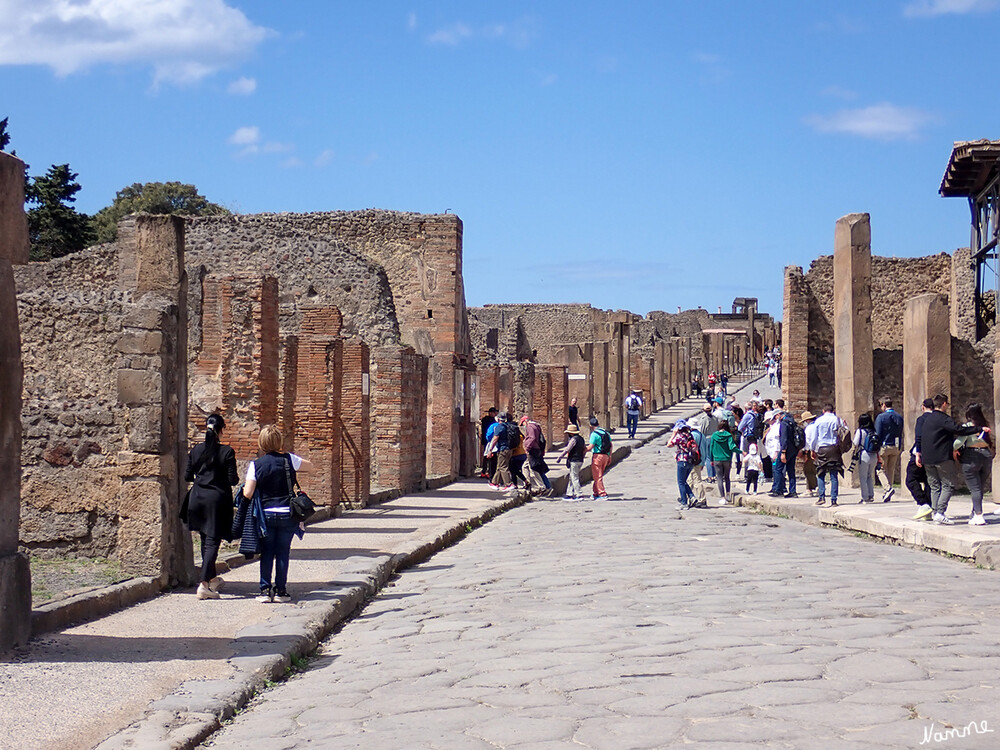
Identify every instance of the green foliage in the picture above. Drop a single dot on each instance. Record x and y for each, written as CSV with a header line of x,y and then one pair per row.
x,y
4,135
153,198
55,228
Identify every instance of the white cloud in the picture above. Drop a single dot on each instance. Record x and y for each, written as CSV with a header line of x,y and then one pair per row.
x,y
291,162
930,8
884,121
324,158
245,136
183,40
243,86
518,34
549,80
411,21
450,35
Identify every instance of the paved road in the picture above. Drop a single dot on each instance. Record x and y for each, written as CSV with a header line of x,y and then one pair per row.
x,y
625,624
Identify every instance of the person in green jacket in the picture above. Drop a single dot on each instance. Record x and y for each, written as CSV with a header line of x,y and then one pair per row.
x,y
722,446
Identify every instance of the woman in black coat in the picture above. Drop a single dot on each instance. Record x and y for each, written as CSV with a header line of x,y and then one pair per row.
x,y
212,468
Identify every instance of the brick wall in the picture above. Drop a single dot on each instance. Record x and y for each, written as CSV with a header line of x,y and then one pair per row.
x,y
235,369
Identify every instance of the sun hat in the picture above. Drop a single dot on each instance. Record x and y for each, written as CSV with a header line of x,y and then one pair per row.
x,y
680,424
807,415
572,429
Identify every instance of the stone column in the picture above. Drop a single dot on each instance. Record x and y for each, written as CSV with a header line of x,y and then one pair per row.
x,y
795,342
152,384
926,356
852,319
15,573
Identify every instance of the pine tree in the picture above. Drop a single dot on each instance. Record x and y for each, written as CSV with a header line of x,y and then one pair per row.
x,y
56,228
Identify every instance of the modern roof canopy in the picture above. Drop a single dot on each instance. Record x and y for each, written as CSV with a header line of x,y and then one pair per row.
x,y
972,166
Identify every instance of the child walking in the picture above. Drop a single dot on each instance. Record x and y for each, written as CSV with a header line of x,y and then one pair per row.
x,y
753,466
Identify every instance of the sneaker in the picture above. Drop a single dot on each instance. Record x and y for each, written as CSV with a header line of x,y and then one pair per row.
x,y
508,487
792,494
548,492
265,596
821,501
833,503
282,597
722,501
216,583
887,495
572,499
494,486
681,505
923,513
204,592
942,519
975,520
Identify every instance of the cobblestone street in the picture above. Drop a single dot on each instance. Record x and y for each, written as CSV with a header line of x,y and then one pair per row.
x,y
626,624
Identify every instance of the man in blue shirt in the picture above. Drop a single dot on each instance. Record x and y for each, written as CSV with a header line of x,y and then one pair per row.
x,y
889,429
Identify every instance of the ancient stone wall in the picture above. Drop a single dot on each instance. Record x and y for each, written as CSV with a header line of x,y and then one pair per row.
x,y
314,268
71,313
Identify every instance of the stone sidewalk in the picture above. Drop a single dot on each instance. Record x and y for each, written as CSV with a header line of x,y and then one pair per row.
x,y
164,672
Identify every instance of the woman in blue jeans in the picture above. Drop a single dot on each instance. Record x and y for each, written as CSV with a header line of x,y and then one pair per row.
x,y
272,475
683,441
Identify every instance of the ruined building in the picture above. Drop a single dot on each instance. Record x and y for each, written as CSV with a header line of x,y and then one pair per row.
x,y
534,358
859,327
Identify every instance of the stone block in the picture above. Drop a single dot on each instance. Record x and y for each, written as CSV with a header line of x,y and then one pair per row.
x,y
136,341
145,429
140,501
11,376
139,387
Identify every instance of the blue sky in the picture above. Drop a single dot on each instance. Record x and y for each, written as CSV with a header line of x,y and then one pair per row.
x,y
634,155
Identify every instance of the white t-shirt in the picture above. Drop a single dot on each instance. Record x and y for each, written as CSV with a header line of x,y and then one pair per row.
x,y
252,472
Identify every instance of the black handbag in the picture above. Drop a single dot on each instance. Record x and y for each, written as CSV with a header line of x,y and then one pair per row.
x,y
301,505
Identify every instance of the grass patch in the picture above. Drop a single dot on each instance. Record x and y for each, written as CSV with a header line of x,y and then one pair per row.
x,y
58,577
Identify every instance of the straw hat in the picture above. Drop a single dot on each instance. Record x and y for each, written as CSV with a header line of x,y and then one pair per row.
x,y
806,416
572,429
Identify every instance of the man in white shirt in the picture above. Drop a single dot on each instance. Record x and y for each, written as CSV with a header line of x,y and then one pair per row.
x,y
823,442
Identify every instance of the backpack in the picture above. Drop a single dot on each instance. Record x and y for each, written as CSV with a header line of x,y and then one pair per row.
x,y
871,442
632,403
605,441
798,437
541,443
513,435
694,453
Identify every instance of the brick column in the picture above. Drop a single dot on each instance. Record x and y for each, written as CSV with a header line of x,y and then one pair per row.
x,y
399,413
541,402
355,419
15,573
152,385
795,342
559,378
926,355
317,400
852,318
